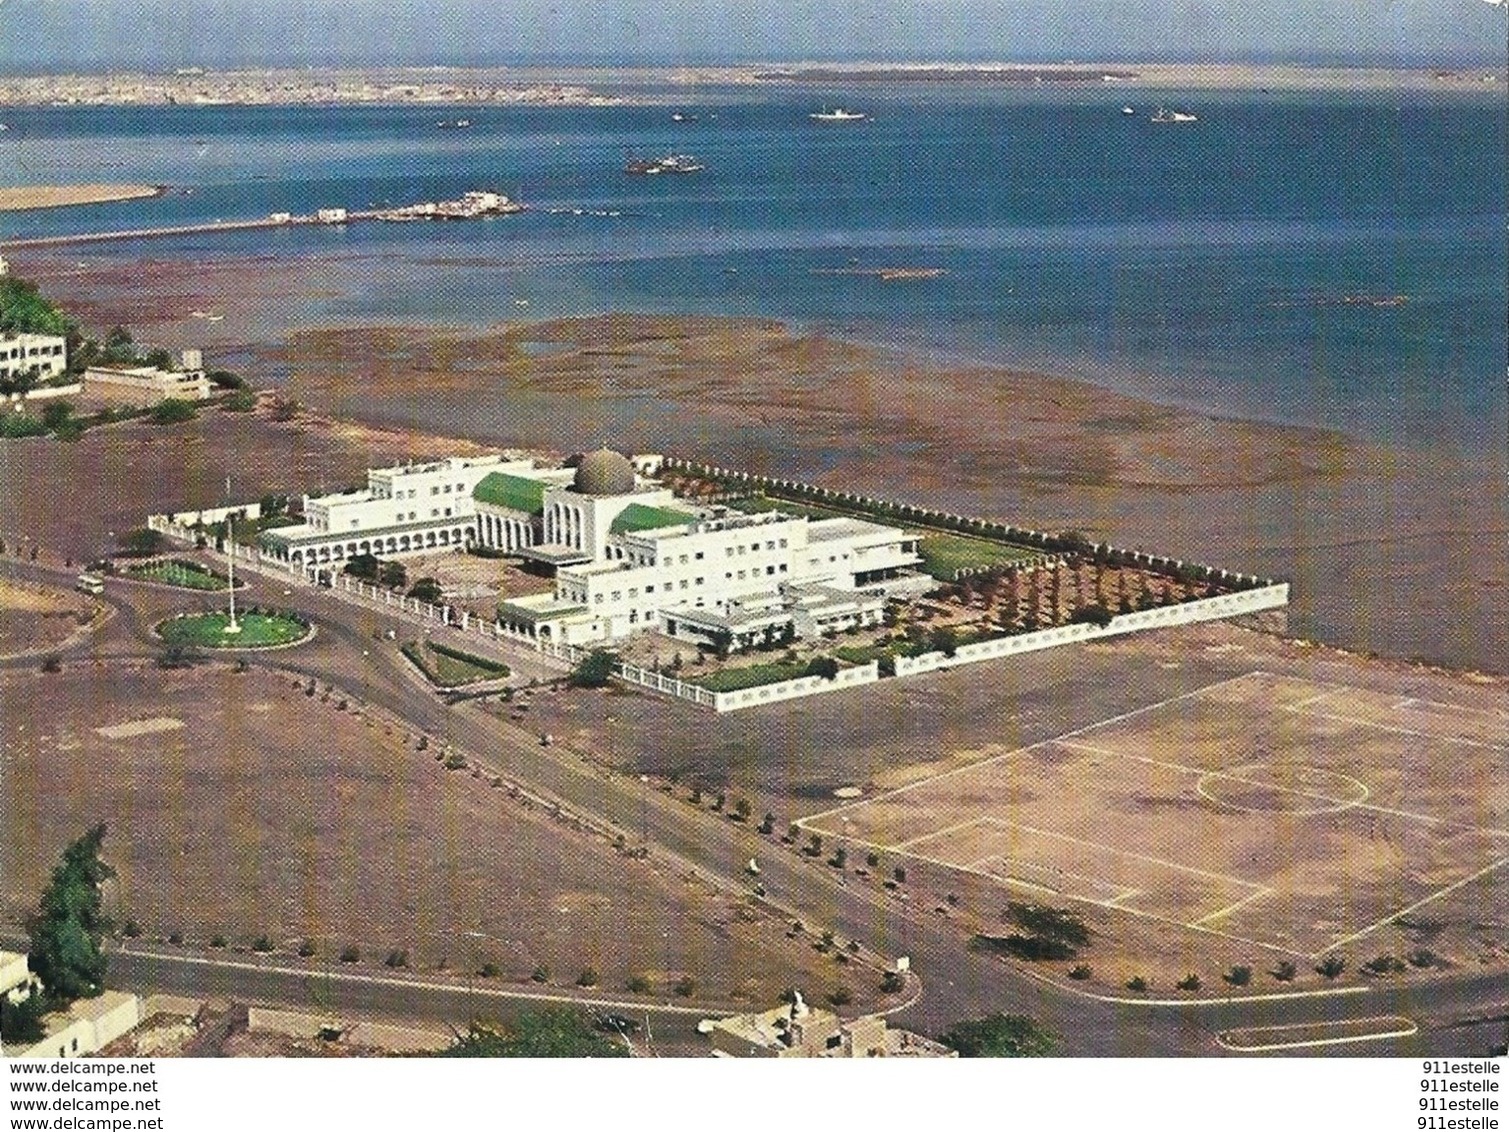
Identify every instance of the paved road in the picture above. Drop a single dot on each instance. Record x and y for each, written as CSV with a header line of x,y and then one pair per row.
x,y
1456,1013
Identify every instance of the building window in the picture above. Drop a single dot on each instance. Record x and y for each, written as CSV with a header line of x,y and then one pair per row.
x,y
683,583
699,556
699,581
770,545
783,544
598,600
683,560
634,592
770,570
649,590
618,595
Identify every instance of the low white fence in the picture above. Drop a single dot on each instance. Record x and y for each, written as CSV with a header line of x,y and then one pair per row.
x,y
722,702
44,393
1186,613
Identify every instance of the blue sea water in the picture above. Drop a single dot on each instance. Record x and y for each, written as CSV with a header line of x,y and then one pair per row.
x,y
1337,259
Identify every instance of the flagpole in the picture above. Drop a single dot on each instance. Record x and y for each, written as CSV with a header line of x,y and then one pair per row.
x,y
230,558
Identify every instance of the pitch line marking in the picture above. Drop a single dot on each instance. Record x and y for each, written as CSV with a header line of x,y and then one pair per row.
x,y
1230,908
1115,852
1273,947
1392,916
1398,730
1360,805
802,822
901,846
1006,863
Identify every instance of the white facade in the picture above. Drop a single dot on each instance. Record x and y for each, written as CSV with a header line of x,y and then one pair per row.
x,y
44,354
405,509
148,384
645,560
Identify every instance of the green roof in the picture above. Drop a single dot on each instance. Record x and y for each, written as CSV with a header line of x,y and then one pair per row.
x,y
513,492
638,517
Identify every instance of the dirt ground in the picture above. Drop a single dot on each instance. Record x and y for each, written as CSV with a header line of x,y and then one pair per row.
x,y
243,807
35,618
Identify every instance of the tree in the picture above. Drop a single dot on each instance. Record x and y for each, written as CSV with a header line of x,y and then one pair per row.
x,y
143,542
552,1032
158,359
824,666
119,346
362,566
70,923
426,589
945,639
22,1021
56,413
999,1035
225,379
1331,966
595,669
393,575
172,410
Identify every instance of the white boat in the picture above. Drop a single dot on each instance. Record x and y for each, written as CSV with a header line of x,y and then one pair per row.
x,y
838,114
1128,111
1164,115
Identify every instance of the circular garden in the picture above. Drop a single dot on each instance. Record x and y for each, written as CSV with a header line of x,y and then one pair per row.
x,y
258,629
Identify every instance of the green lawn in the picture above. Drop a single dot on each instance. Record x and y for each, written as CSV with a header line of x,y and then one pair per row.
x,y
207,630
451,668
863,654
750,676
185,575
945,554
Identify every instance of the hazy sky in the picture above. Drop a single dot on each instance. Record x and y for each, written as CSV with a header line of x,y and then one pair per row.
x,y
44,34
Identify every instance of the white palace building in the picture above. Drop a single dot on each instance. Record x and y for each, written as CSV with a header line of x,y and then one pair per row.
x,y
625,553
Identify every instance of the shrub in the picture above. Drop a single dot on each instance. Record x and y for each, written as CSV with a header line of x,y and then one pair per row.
x,y
217,941
824,666
638,984
172,410
488,971
14,426
1239,976
767,825
131,930
1080,973
1383,965
455,761
1423,958
1190,981
1137,983
685,987
175,938
1331,966
1284,972
306,949
426,589
588,978
351,955
52,664
262,944
891,982
241,401
56,413
840,996
396,959
900,874
540,974
873,860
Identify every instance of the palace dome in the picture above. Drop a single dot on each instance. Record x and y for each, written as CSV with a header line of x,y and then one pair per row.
x,y
604,472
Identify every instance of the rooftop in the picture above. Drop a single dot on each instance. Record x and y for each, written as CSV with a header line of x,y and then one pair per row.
x,y
515,493
641,517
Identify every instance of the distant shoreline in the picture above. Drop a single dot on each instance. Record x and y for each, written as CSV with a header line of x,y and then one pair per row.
x,y
602,86
27,197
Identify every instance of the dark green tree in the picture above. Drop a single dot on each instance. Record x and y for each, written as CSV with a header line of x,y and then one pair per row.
x,y
999,1035
595,669
362,566
426,589
70,923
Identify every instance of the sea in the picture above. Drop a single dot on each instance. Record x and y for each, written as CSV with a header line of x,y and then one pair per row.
x,y
1335,259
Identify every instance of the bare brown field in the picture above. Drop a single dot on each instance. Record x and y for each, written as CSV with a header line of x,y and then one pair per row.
x,y
1286,815
36,618
270,812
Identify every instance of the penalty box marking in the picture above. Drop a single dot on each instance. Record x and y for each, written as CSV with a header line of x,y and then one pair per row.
x,y
1006,864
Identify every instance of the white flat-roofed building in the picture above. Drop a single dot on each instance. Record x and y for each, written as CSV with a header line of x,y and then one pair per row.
x,y
146,385
45,355
404,509
632,557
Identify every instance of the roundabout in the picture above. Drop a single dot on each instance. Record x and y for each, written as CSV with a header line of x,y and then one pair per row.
x,y
254,630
